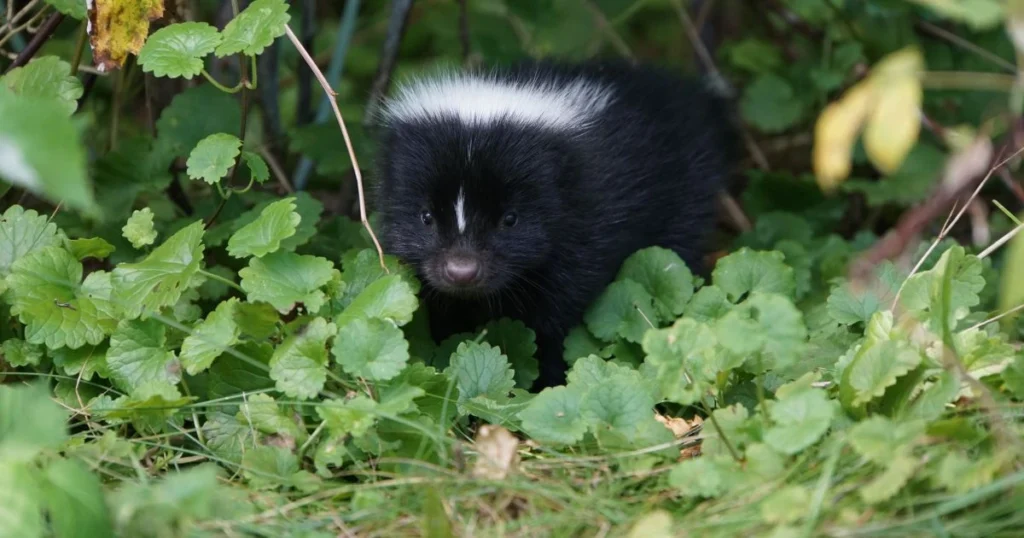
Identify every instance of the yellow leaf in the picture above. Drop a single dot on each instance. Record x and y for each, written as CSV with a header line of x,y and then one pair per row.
x,y
656,524
120,27
894,123
835,133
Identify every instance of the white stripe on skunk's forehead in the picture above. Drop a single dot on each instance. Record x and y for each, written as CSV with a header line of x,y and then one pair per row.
x,y
479,100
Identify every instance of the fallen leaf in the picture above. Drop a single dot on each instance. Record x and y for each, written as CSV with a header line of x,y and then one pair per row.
x,y
835,132
119,27
497,452
679,426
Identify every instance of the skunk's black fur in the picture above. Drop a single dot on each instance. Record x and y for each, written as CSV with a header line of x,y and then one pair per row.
x,y
550,208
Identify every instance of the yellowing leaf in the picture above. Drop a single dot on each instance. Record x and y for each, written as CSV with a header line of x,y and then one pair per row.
x,y
835,133
894,124
120,27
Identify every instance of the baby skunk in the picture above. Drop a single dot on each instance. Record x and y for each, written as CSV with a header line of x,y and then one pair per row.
x,y
519,192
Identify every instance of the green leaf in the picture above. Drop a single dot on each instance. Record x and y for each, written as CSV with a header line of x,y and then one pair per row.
x,y
258,170
178,50
46,77
263,413
159,280
684,356
624,309
755,55
800,417
138,356
362,268
959,473
83,362
849,307
664,275
73,8
211,338
787,505
878,438
93,247
255,28
746,271
18,353
374,349
269,466
771,105
480,370
227,437
21,501
621,403
353,417
34,130
517,342
708,304
56,309
899,468
213,157
193,115
139,228
390,298
264,235
285,279
553,416
164,506
22,232
977,14
877,367
299,364
923,291
29,422
150,405
706,476
76,502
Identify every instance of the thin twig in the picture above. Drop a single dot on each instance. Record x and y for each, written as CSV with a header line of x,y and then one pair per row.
x,y
1000,242
47,30
348,141
275,167
397,22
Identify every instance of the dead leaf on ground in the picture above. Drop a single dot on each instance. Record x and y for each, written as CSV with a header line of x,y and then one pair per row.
x,y
680,427
497,454
119,27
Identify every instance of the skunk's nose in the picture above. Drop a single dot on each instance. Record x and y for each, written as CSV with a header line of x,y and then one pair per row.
x,y
461,270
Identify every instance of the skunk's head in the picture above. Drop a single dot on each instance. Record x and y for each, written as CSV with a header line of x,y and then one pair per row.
x,y
471,208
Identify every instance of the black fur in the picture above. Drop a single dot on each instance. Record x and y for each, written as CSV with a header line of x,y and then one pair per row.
x,y
645,173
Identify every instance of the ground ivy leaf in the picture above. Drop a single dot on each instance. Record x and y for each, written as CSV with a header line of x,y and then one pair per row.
x,y
77,504
770,104
706,476
193,115
349,417
18,353
390,298
255,28
83,362
277,222
620,402
33,131
747,270
878,438
213,157
47,77
263,413
517,342
150,405
258,170
374,349
159,280
786,505
178,50
211,338
553,416
480,370
226,437
137,355
590,371
708,304
877,367
766,323
92,247
72,8
849,307
285,279
684,356
664,275
800,417
56,309
22,232
139,229
30,421
959,473
899,468
269,466
624,309
299,364
360,268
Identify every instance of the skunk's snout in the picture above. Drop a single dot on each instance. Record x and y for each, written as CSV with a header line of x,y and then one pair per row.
x,y
461,270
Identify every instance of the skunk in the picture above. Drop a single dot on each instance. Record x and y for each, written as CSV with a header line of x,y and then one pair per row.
x,y
519,191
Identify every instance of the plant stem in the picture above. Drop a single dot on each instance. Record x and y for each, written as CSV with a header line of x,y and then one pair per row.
x,y
44,33
220,86
218,278
83,36
721,432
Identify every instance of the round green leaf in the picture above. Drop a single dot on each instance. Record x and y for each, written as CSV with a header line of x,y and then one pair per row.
x,y
255,28
178,50
213,156
374,349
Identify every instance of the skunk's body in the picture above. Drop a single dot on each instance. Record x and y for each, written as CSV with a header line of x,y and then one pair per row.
x,y
519,193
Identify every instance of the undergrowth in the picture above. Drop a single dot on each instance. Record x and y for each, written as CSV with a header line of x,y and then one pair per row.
x,y
252,366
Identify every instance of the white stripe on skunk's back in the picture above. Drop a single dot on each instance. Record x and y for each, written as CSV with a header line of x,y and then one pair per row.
x,y
481,100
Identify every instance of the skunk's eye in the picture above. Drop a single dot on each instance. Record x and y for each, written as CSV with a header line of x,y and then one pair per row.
x,y
427,218
510,219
